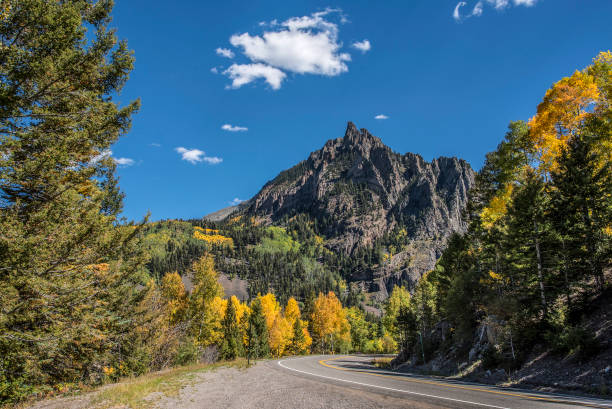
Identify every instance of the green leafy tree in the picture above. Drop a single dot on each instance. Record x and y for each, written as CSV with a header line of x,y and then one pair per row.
x,y
360,328
400,297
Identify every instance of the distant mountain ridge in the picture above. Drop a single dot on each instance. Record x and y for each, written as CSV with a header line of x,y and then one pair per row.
x,y
363,194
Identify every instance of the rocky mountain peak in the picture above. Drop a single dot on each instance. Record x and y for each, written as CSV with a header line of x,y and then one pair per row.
x,y
361,140
362,193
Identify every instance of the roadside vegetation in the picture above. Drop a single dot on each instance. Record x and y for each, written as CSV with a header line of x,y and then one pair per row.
x,y
537,255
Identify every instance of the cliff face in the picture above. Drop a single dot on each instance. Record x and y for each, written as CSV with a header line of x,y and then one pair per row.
x,y
363,191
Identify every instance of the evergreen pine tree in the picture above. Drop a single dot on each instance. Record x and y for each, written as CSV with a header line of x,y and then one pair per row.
x,y
581,204
527,243
257,333
299,340
71,277
231,344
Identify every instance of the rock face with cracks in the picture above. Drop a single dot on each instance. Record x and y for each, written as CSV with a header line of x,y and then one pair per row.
x,y
359,190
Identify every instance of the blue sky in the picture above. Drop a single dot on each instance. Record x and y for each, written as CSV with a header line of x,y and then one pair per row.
x,y
448,76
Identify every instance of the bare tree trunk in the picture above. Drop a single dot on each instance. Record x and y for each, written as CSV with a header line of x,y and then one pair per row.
x,y
566,278
539,257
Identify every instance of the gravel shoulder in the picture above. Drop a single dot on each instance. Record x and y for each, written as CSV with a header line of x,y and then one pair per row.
x,y
265,386
262,386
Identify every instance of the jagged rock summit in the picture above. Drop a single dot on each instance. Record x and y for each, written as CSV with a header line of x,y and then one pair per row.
x,y
363,194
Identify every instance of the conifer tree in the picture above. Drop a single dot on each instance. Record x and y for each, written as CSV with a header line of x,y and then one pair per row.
x,y
70,278
298,341
528,240
232,343
257,333
581,204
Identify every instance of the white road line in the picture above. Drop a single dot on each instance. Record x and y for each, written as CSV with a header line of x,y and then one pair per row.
x,y
280,363
563,399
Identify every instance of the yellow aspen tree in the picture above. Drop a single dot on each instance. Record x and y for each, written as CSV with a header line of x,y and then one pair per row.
x,y
279,338
560,115
242,316
292,314
214,321
206,308
175,296
270,307
329,322
497,208
292,311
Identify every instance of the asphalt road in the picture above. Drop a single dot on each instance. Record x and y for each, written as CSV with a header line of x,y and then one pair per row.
x,y
356,372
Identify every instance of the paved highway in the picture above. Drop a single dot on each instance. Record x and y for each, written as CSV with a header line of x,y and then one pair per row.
x,y
357,372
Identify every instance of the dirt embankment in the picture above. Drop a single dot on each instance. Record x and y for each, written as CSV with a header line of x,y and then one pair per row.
x,y
543,369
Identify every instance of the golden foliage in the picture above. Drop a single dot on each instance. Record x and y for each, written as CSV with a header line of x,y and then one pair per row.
x,y
292,311
214,239
270,308
495,276
560,115
497,208
175,296
329,318
280,335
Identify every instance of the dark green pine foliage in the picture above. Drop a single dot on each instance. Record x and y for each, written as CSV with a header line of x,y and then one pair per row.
x,y
407,326
231,347
581,202
528,247
257,345
70,278
298,338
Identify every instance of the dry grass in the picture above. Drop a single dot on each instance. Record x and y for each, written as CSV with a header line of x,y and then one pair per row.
x,y
141,392
383,362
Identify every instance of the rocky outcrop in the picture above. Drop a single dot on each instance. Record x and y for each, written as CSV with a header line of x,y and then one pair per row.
x,y
360,191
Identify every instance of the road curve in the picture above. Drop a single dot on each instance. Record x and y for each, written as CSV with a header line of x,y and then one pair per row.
x,y
355,371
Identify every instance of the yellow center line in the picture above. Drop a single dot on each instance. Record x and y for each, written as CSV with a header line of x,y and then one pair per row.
x,y
447,385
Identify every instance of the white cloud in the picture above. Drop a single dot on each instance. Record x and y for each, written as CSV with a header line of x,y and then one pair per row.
x,y
526,3
124,161
242,74
214,70
225,52
381,116
212,160
233,128
102,155
236,202
478,9
363,46
457,13
301,45
499,4
107,153
155,145
194,156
